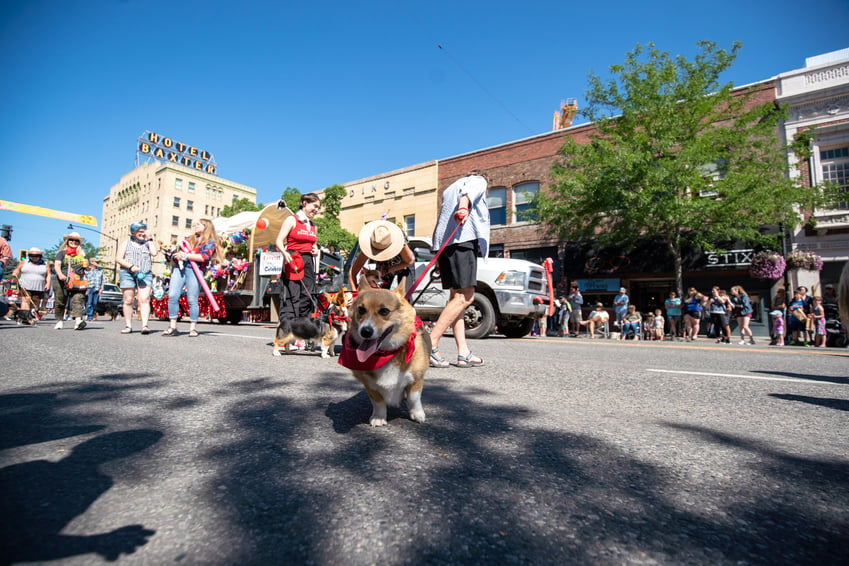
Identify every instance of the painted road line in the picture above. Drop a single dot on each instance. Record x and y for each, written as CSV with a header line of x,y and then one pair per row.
x,y
741,376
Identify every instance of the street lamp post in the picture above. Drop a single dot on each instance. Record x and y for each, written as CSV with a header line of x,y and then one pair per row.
x,y
115,267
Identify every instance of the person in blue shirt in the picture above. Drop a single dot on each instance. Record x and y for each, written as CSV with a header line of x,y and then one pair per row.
x,y
620,303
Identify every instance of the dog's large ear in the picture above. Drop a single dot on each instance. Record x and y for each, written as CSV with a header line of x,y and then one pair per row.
x,y
402,286
340,298
363,285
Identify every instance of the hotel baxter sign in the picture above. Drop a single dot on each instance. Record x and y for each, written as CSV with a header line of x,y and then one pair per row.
x,y
167,149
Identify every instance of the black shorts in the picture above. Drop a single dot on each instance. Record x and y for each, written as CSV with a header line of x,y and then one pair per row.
x,y
458,265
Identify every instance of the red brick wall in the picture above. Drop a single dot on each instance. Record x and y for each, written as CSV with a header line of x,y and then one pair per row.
x,y
531,159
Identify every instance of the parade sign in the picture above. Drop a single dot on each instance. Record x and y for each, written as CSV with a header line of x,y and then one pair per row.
x,y
167,149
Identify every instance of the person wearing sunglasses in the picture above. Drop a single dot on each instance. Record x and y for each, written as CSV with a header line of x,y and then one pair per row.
x,y
33,275
70,285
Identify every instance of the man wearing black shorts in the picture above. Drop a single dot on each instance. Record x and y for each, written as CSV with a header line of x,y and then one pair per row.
x,y
464,218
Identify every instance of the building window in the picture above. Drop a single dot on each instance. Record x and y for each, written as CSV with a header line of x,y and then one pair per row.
x,y
176,202
207,192
835,168
524,196
206,210
190,205
178,184
191,187
175,221
235,198
410,225
496,201
188,222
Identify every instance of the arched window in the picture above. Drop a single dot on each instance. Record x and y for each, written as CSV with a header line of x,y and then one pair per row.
x,y
524,195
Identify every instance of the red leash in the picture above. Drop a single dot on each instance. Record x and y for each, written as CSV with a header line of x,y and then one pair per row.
x,y
432,261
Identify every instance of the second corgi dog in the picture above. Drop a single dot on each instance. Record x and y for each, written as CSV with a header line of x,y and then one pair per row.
x,y
387,351
332,322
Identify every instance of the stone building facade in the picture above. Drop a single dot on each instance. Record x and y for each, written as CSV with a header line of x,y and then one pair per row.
x,y
168,198
817,97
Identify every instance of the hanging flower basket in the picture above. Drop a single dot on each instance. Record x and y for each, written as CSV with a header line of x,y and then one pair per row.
x,y
798,259
767,265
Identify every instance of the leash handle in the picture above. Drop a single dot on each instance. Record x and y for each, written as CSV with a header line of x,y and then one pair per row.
x,y
432,261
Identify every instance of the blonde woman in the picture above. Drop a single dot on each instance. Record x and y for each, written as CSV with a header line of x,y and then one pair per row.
x,y
743,311
203,247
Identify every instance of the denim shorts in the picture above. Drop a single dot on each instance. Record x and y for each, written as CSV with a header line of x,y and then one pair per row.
x,y
129,280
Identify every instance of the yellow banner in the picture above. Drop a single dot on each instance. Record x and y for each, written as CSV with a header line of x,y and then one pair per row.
x,y
48,212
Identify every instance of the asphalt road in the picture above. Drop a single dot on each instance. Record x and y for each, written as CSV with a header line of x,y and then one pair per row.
x,y
208,450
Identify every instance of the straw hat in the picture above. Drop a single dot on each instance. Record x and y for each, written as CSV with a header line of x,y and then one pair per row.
x,y
381,240
35,251
73,236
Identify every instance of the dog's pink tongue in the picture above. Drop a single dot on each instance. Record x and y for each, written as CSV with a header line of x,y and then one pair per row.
x,y
366,349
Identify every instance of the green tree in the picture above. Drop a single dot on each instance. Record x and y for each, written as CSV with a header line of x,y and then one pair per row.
x,y
241,205
292,198
677,157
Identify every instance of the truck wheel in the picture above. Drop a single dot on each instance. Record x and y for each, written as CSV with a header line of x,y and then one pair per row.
x,y
516,329
479,318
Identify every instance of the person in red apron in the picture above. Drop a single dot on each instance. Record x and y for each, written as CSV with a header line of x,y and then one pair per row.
x,y
297,240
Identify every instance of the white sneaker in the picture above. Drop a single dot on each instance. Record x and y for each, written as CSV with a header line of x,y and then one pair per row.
x,y
742,342
58,325
79,325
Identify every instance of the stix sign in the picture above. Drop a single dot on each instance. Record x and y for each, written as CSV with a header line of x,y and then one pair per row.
x,y
177,152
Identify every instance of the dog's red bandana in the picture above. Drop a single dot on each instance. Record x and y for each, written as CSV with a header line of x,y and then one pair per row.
x,y
349,359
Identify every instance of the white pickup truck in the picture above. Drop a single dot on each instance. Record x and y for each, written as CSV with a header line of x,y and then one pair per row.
x,y
510,293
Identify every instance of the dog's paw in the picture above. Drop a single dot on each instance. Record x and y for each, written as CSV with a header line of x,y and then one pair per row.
x,y
417,416
374,422
276,352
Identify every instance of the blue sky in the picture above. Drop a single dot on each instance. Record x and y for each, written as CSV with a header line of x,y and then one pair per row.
x,y
306,95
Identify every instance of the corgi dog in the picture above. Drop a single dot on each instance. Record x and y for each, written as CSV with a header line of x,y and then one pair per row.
x,y
330,324
387,350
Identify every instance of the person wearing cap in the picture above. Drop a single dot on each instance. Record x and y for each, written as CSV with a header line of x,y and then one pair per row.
x,y
34,277
463,227
383,243
94,276
69,286
298,241
135,277
620,303
596,318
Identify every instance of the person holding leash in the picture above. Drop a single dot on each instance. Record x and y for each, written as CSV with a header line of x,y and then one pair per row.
x,y
463,224
297,240
69,286
34,277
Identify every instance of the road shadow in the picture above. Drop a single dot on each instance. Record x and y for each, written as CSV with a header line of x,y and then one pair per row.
x,y
808,376
40,498
838,404
478,484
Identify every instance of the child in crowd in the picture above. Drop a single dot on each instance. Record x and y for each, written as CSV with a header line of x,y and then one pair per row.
x,y
798,318
658,325
818,316
778,326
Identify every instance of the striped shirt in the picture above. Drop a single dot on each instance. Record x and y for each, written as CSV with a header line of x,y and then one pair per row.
x,y
138,255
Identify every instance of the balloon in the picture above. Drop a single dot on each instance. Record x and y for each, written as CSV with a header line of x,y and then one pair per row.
x,y
262,223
